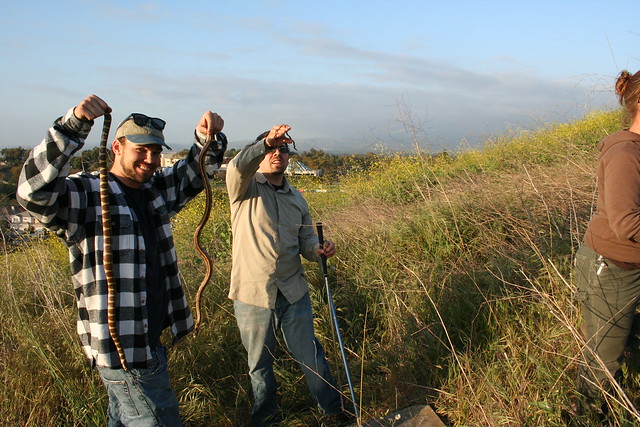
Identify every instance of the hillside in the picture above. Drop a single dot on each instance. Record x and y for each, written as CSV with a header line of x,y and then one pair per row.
x,y
453,284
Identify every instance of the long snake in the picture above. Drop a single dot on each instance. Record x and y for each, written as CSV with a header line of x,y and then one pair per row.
x,y
107,259
196,235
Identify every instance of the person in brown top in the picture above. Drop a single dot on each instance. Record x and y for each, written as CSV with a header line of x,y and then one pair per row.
x,y
608,262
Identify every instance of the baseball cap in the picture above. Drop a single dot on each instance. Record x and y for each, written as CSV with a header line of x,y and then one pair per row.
x,y
141,129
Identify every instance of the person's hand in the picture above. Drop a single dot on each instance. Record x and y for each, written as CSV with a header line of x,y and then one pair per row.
x,y
276,136
91,108
210,123
328,249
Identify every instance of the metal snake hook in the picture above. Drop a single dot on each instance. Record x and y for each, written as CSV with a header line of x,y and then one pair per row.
x,y
107,258
196,235
334,321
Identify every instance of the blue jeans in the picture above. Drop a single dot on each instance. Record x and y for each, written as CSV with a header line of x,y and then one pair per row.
x,y
258,328
141,397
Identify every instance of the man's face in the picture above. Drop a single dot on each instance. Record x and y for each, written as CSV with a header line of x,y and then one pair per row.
x,y
135,164
275,162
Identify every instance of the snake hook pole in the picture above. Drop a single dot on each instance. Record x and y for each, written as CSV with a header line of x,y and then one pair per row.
x,y
334,318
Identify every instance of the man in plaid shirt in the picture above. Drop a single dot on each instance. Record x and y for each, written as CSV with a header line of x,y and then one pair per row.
x,y
143,197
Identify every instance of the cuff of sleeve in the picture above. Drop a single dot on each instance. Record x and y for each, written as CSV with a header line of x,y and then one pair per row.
x,y
73,125
199,139
201,136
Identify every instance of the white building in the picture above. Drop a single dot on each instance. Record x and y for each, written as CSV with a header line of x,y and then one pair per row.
x,y
20,220
168,159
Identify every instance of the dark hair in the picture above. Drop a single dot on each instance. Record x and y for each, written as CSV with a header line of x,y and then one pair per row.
x,y
628,91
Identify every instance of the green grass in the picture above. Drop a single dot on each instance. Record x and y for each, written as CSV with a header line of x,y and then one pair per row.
x,y
453,285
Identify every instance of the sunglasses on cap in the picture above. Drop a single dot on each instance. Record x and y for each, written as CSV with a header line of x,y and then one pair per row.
x,y
143,120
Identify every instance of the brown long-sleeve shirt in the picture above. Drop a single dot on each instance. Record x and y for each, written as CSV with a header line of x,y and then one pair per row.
x,y
614,229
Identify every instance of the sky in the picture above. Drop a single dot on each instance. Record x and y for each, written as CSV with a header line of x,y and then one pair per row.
x,y
347,76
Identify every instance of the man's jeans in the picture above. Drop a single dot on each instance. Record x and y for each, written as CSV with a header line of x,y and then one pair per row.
x,y
609,297
258,332
141,397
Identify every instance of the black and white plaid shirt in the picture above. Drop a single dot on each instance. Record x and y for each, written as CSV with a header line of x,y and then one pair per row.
x,y
70,207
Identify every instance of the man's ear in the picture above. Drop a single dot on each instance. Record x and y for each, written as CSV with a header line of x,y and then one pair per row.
x,y
116,147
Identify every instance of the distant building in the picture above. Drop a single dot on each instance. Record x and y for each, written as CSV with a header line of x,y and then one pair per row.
x,y
20,220
168,159
296,167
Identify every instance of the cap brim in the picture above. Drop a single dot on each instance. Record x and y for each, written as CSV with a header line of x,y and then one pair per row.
x,y
146,140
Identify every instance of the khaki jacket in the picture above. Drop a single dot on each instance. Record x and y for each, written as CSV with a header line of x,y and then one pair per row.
x,y
271,229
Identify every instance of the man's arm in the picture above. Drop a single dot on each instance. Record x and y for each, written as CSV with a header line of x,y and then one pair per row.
x,y
242,168
245,164
41,187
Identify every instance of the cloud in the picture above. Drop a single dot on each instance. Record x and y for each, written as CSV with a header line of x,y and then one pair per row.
x,y
353,116
348,99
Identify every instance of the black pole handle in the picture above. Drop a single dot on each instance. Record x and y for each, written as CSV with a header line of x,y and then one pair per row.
x,y
323,258
320,235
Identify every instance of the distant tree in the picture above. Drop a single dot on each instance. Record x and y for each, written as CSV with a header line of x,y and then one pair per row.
x,y
14,156
7,190
336,165
5,200
14,173
319,159
87,160
231,153
5,223
357,162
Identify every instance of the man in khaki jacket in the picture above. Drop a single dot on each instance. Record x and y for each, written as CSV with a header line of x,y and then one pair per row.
x,y
272,227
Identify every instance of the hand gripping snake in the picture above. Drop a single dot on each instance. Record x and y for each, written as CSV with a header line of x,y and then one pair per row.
x,y
196,235
107,259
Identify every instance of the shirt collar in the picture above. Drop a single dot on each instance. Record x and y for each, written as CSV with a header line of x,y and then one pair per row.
x,y
261,179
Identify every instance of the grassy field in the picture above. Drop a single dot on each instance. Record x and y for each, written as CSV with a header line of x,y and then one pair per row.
x,y
453,284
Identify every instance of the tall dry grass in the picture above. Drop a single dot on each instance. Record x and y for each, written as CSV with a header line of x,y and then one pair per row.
x,y
453,284
45,380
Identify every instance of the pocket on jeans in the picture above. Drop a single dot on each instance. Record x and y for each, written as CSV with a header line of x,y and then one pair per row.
x,y
155,367
119,389
158,362
583,267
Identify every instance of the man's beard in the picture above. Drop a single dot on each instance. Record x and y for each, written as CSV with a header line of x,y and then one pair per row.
x,y
133,174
